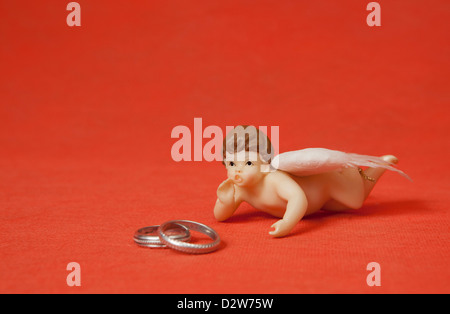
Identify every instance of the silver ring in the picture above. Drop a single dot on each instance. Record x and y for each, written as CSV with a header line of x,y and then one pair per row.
x,y
189,247
148,236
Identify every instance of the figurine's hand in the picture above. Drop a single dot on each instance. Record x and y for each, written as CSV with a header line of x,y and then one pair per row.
x,y
225,192
281,227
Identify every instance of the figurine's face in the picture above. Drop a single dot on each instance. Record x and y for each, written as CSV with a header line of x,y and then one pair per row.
x,y
244,168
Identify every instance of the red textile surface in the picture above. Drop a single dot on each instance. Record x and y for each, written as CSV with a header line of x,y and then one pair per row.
x,y
86,115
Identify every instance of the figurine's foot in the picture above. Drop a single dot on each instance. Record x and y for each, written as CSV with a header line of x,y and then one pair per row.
x,y
390,158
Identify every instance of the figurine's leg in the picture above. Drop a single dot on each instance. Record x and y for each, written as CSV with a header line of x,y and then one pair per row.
x,y
350,187
371,175
346,190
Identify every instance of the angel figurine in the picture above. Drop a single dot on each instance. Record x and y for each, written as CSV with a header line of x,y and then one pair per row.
x,y
293,184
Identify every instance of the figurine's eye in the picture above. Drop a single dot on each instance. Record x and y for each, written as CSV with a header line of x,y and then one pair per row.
x,y
231,164
249,163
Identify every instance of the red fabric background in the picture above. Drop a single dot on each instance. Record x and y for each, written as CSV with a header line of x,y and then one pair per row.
x,y
86,115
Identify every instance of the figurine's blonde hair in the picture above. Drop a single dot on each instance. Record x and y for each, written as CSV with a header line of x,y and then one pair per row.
x,y
249,139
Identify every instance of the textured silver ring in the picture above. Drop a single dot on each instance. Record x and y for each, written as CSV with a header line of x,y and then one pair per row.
x,y
148,236
191,248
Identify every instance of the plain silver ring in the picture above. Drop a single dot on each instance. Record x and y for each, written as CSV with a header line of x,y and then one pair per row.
x,y
189,247
148,236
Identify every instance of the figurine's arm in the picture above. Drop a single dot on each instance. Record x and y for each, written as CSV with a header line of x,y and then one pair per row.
x,y
297,204
227,202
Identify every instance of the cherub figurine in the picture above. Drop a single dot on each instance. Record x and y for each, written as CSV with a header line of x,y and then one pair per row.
x,y
293,184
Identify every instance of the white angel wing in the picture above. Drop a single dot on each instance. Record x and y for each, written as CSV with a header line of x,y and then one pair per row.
x,y
311,161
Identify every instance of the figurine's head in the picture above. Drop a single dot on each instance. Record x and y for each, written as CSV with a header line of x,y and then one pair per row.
x,y
247,153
